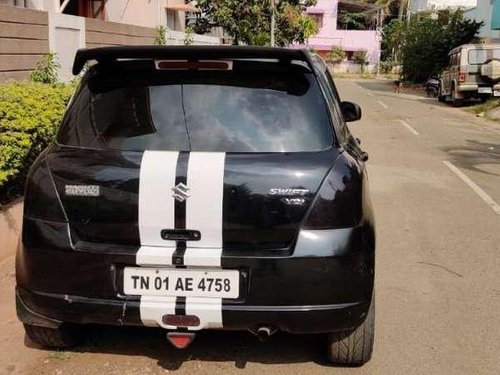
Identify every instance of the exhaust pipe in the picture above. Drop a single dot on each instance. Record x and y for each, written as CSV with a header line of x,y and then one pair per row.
x,y
263,332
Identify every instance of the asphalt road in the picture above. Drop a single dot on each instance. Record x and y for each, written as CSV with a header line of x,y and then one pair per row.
x,y
435,183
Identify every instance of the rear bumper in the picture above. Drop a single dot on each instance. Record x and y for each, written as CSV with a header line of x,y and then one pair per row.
x,y
321,286
53,310
467,87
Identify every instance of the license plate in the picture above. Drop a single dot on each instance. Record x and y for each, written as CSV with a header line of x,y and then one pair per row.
x,y
181,282
484,90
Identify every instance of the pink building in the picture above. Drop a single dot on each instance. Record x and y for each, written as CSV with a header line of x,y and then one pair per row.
x,y
348,24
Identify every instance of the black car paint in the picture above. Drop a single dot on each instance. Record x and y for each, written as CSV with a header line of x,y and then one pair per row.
x,y
73,249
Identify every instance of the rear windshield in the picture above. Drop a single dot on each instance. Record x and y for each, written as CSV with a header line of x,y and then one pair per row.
x,y
255,107
480,56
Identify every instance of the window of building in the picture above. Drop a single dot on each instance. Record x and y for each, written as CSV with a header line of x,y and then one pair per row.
x,y
171,16
317,19
495,15
86,8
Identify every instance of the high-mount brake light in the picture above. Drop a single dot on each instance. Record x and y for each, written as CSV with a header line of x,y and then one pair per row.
x,y
193,65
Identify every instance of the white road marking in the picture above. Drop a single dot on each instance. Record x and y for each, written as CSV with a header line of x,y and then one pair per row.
x,y
409,127
369,93
383,104
482,194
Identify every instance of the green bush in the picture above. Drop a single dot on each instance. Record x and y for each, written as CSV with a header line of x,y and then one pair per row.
x,y
47,70
386,66
29,116
360,57
336,55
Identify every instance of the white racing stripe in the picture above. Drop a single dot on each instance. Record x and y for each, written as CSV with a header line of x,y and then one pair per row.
x,y
152,309
205,180
154,256
156,205
209,310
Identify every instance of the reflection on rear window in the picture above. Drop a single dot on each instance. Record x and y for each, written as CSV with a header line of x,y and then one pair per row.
x,y
231,111
480,56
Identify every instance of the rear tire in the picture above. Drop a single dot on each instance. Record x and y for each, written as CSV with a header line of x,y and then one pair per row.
x,y
353,347
440,96
454,100
56,338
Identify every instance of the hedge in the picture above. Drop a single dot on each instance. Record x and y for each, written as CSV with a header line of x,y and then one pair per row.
x,y
29,116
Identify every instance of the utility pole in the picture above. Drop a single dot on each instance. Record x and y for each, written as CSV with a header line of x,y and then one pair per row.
x,y
408,12
401,9
273,21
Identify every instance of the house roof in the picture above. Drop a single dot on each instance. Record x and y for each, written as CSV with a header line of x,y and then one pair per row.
x,y
182,8
358,6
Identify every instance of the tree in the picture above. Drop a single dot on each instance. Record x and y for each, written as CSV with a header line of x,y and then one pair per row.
x,y
361,58
160,36
188,36
390,8
352,20
47,70
249,21
392,39
427,41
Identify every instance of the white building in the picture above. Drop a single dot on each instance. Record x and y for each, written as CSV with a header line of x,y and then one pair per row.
x,y
487,11
432,5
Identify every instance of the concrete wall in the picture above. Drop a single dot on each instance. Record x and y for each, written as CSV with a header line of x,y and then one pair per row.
x,y
66,36
424,5
27,34
100,33
146,13
349,40
24,38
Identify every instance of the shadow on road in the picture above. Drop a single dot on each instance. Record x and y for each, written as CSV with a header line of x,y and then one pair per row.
x,y
385,89
474,154
212,346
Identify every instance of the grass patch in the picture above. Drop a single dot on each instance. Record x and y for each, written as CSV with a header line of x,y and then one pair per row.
x,y
60,355
390,76
485,107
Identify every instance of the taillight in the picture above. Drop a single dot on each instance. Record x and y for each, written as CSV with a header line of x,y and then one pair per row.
x,y
41,199
339,202
461,77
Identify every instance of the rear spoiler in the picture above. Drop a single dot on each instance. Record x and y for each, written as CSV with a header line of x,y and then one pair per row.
x,y
110,54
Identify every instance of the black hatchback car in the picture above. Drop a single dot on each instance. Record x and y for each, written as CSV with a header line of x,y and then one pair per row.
x,y
194,188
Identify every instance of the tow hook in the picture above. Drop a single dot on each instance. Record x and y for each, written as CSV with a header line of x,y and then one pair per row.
x,y
180,340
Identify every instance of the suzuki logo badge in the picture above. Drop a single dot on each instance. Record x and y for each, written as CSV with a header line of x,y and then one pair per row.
x,y
180,192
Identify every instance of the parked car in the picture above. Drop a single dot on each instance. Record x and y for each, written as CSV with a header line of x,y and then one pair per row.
x,y
473,73
196,188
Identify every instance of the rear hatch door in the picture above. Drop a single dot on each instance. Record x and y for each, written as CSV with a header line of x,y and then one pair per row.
x,y
236,155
